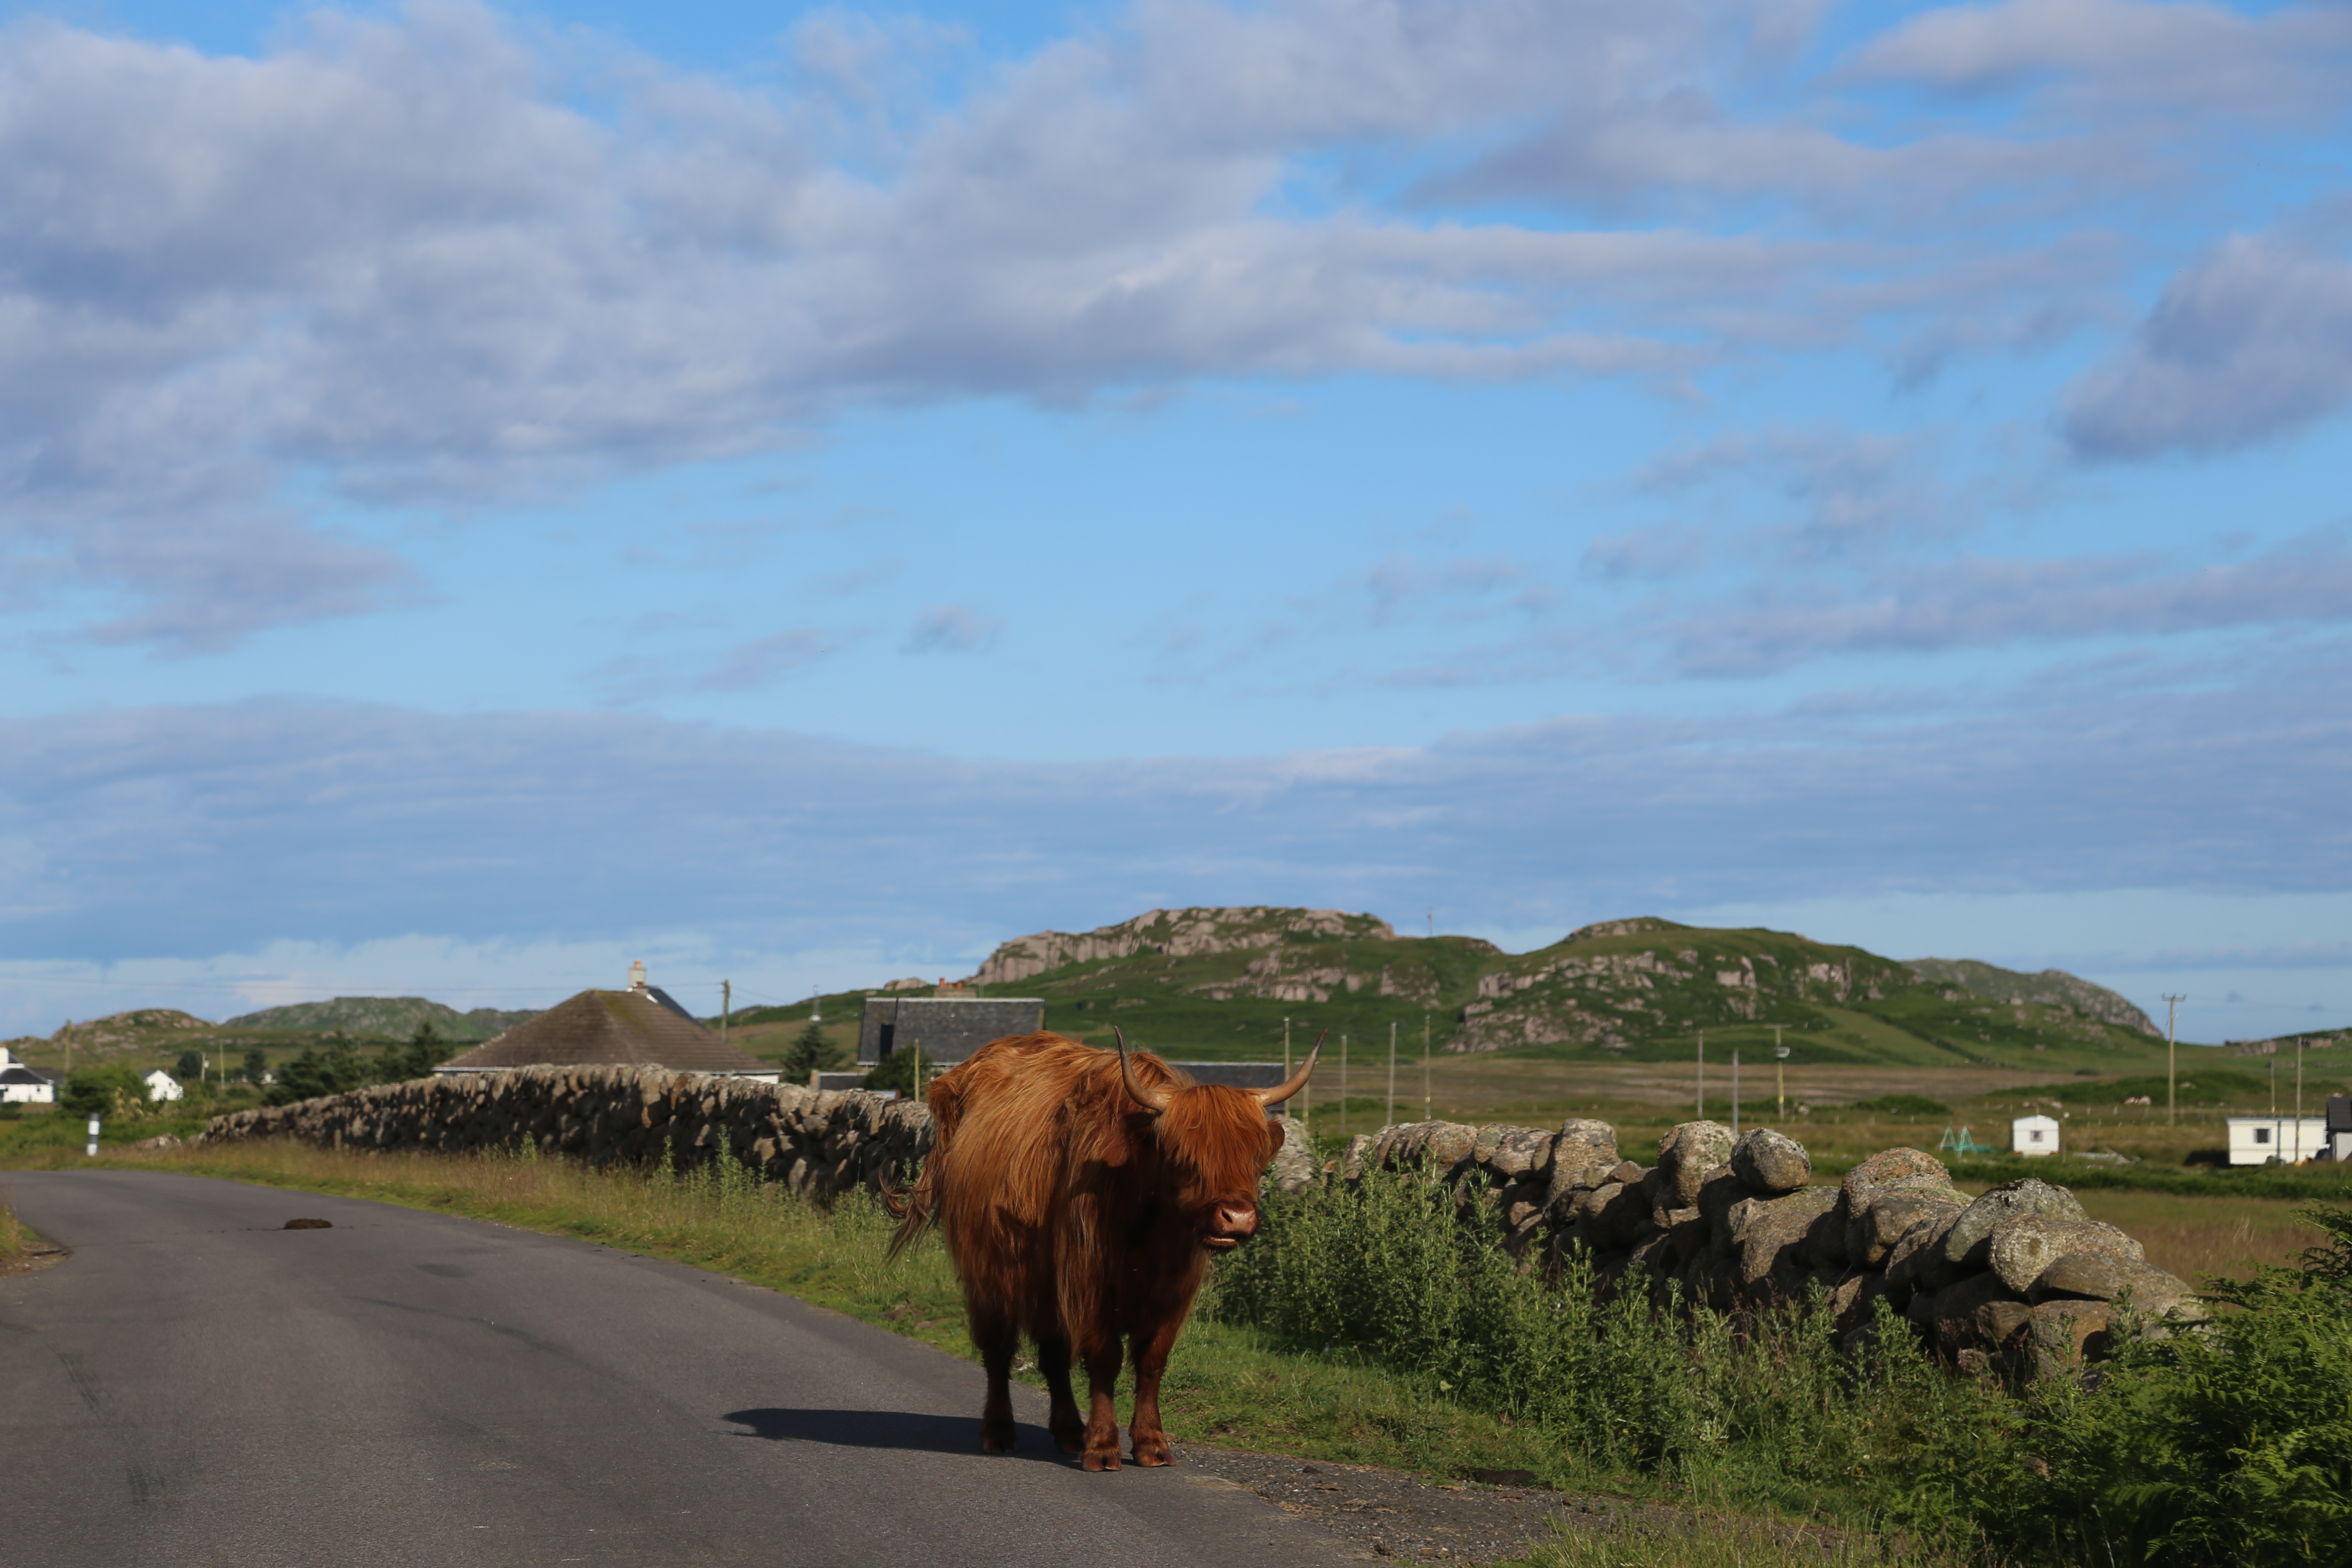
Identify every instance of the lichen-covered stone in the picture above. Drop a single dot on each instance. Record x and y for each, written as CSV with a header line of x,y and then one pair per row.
x,y
1771,1235
1871,1233
2061,1335
1956,1309
2023,1246
1916,1261
1583,1153
1769,1161
1968,1243
1294,1167
2090,1276
1895,1170
1687,1153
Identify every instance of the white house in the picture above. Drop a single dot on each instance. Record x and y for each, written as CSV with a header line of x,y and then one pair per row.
x,y
161,1085
20,1085
2259,1140
2034,1135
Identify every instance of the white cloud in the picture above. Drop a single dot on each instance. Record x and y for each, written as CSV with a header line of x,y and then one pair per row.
x,y
423,258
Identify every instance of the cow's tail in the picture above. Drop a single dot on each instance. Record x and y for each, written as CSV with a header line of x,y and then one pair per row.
x,y
914,1207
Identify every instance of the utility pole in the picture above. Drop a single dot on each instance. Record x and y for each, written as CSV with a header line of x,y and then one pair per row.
x,y
2298,1100
1306,1096
1389,1109
2274,1121
2171,1051
1432,922
1700,1114
1734,1093
816,1003
1343,1086
726,1006
68,1033
1425,1113
1779,1077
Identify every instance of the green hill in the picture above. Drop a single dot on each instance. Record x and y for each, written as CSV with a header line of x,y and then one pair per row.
x,y
385,1017
2052,987
1218,983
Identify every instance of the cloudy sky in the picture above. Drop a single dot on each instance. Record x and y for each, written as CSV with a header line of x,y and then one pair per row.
x,y
800,495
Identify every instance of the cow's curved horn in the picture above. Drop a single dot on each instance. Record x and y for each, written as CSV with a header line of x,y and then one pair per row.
x,y
1298,1079
1153,1100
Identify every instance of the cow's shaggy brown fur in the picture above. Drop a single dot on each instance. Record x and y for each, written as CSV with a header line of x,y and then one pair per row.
x,y
1076,1215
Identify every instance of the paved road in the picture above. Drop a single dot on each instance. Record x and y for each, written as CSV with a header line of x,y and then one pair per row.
x,y
198,1386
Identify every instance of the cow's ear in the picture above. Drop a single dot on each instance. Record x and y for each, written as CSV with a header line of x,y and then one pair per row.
x,y
1272,1139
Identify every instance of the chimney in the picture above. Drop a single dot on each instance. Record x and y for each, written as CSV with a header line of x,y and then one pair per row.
x,y
637,975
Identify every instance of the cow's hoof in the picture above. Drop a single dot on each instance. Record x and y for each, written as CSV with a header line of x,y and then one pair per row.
x,y
997,1442
1110,1461
1153,1451
1071,1439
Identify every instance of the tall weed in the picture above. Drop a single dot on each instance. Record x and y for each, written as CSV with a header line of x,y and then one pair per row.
x,y
1753,1410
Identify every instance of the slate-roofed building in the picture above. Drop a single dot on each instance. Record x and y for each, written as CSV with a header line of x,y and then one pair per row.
x,y
949,1027
23,1085
642,1026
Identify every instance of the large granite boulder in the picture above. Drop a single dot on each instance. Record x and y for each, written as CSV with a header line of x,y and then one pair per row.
x,y
1585,1152
1687,1153
1871,1233
1969,1244
1903,1181
1294,1166
2088,1277
1770,1233
1916,1261
1769,1161
2061,1335
2023,1246
1978,1313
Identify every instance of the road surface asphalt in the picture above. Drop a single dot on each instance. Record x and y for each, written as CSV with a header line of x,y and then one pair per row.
x,y
198,1385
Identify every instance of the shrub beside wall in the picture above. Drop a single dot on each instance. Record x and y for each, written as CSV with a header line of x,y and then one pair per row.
x,y
2019,1273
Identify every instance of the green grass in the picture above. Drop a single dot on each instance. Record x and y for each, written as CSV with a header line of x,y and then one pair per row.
x,y
1901,1105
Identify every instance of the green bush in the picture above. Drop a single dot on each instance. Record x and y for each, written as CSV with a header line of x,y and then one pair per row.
x,y
2232,1444
116,1090
415,1057
1764,1411
334,1067
2228,1444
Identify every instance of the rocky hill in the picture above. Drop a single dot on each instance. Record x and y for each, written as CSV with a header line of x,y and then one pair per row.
x,y
1218,982
2052,987
1185,934
385,1017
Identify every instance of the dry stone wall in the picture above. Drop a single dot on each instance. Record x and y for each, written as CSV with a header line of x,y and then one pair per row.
x,y
2017,1277
816,1142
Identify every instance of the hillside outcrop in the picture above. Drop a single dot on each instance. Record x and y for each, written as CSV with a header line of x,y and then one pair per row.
x,y
1174,933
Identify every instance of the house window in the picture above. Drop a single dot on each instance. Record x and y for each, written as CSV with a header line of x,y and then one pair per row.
x,y
2262,1134
2034,1136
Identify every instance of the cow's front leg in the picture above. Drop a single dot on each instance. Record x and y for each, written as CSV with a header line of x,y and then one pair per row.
x,y
1151,1348
1103,1361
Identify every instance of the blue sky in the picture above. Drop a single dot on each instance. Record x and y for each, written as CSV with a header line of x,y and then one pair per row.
x,y
801,495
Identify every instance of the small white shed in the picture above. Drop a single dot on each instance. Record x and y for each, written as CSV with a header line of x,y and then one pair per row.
x,y
161,1085
2259,1140
2033,1135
